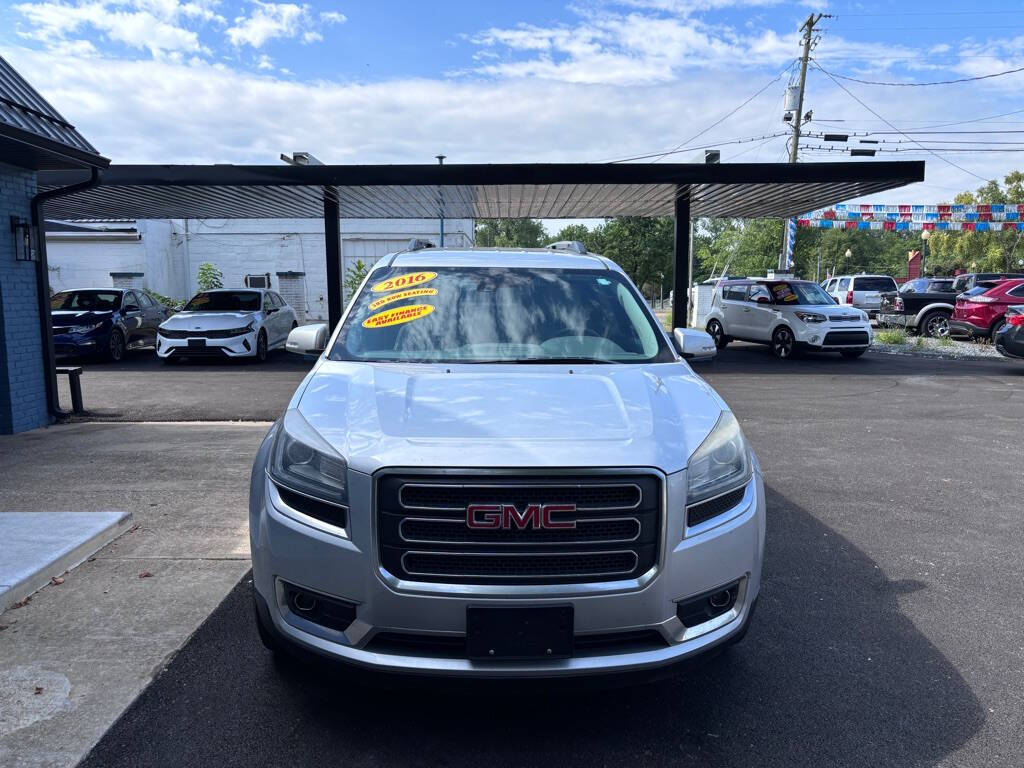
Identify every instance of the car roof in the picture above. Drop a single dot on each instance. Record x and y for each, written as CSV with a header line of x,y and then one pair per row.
x,y
527,258
234,290
104,290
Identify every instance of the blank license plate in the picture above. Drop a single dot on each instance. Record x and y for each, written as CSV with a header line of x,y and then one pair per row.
x,y
197,342
519,634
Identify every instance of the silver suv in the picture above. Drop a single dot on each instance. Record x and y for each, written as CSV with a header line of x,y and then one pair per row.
x,y
501,465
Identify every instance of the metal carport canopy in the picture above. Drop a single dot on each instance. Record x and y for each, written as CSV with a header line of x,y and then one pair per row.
x,y
543,191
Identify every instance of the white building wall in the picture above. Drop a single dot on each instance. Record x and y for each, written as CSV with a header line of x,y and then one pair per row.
x,y
169,253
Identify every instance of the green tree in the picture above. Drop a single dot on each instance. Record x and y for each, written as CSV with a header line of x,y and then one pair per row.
x,y
510,233
354,277
208,277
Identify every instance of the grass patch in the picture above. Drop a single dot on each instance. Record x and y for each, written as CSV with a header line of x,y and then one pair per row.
x,y
945,341
919,341
892,336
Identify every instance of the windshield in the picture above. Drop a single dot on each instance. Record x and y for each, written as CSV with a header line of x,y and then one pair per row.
x,y
497,315
799,293
915,286
86,300
224,301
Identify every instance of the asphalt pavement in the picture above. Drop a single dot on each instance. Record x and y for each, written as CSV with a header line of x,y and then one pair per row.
x,y
888,630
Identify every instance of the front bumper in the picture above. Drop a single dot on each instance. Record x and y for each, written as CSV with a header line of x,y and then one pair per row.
x,y
80,344
346,566
236,346
829,337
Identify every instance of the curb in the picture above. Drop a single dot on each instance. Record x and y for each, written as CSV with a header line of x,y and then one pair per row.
x,y
74,553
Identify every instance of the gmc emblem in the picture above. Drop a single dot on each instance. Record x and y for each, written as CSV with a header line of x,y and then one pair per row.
x,y
507,517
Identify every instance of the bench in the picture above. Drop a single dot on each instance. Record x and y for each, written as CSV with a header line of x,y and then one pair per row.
x,y
74,374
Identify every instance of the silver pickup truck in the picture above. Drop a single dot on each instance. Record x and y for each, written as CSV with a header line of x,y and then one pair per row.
x,y
500,465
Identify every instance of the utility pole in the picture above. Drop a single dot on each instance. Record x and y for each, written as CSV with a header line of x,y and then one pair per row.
x,y
797,120
440,194
808,30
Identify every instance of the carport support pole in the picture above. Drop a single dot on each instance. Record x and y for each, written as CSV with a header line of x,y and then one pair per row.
x,y
681,271
332,244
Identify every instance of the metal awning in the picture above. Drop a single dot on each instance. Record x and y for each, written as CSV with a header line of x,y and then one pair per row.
x,y
545,191
33,134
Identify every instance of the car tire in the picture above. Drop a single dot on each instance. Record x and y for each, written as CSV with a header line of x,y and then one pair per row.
x,y
261,347
783,343
851,354
996,329
717,333
935,325
115,347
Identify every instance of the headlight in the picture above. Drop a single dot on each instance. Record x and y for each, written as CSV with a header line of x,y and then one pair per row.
x,y
303,461
722,462
242,331
85,328
811,317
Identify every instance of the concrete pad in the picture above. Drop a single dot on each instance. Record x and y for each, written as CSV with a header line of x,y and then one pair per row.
x,y
95,641
41,545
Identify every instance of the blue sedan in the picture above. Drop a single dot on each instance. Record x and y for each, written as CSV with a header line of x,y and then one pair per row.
x,y
104,322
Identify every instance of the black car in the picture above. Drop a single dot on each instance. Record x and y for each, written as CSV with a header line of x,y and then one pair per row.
x,y
924,305
104,322
1010,338
963,283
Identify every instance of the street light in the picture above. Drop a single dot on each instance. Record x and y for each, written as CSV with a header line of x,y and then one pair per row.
x,y
848,254
925,234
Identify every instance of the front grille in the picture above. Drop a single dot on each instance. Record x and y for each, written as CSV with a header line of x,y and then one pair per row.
x,y
229,333
846,318
424,536
841,338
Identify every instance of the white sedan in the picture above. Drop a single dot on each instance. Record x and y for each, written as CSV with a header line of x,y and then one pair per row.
x,y
227,323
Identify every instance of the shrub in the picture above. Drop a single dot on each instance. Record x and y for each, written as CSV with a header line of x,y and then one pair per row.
x,y
209,277
892,336
167,301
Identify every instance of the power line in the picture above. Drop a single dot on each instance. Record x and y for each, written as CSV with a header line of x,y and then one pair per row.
x,y
876,114
746,140
678,147
939,125
922,85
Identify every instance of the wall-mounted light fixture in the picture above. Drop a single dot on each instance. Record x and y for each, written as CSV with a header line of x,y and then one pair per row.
x,y
22,232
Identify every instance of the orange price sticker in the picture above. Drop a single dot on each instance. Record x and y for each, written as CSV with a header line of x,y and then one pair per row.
x,y
411,280
410,294
397,316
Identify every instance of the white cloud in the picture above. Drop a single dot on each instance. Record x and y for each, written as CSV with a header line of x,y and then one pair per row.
x,y
269,21
264,62
154,25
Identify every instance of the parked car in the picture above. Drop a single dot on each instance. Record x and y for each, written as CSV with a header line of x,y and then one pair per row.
x,y
502,466
861,291
924,305
980,311
788,315
227,323
104,322
1010,336
968,280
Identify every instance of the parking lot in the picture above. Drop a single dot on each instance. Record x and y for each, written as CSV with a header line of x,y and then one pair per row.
x,y
888,631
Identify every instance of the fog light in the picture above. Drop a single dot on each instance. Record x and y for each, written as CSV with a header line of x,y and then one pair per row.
x,y
245,343
319,609
814,339
704,607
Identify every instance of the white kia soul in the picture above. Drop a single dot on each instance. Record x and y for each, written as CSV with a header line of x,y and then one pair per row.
x,y
502,466
789,315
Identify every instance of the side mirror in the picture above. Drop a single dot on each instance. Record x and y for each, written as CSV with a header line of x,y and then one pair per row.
x,y
694,345
763,300
307,339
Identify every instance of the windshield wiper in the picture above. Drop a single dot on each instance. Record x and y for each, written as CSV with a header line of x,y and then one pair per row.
x,y
564,360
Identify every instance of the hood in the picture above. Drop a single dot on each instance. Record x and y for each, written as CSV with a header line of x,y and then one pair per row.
x,y
510,415
208,321
61,317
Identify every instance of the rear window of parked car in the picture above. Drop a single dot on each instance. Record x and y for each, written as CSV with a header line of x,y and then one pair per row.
x,y
874,284
734,292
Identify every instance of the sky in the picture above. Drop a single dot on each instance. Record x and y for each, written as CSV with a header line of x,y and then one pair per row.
x,y
222,81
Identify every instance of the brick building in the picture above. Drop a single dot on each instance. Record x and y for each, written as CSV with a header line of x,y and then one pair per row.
x,y
33,137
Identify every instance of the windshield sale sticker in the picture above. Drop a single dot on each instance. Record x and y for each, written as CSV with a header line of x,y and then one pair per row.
x,y
404,281
397,316
410,294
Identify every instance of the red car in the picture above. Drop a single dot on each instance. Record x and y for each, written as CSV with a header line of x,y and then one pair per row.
x,y
980,311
